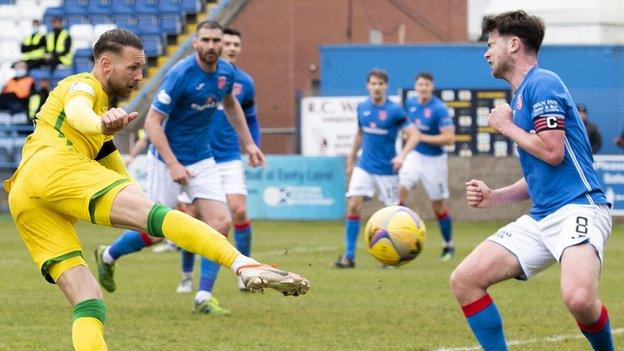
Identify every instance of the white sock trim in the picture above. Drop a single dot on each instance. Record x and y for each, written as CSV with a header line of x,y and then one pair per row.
x,y
242,260
202,295
106,256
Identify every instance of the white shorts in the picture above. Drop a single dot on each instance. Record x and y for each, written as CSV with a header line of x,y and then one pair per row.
x,y
364,184
431,170
537,245
232,175
204,184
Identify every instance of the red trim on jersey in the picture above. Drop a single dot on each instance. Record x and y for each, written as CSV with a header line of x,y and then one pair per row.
x,y
442,216
599,325
146,239
242,226
353,217
543,123
477,306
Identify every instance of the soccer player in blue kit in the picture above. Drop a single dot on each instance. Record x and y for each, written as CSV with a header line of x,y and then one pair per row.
x,y
180,158
428,161
379,122
226,152
569,221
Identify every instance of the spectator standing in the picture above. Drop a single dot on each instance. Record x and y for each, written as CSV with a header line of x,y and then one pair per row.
x,y
595,138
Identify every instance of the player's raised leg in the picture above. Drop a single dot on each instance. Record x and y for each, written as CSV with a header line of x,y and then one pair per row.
x,y
579,290
488,264
132,209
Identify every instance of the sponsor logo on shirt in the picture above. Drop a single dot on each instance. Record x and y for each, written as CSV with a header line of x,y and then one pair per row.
x,y
199,86
372,129
163,97
366,113
210,102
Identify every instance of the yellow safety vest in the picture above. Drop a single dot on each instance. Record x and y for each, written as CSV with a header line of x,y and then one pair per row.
x,y
36,54
59,46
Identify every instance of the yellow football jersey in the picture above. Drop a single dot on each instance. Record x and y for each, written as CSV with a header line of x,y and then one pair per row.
x,y
53,130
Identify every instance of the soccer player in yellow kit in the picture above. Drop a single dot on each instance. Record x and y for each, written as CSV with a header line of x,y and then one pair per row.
x,y
71,170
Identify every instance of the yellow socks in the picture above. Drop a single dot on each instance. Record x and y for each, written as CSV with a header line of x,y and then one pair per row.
x,y
88,326
191,234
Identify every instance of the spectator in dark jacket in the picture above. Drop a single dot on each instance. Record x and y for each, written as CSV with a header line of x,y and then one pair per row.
x,y
595,138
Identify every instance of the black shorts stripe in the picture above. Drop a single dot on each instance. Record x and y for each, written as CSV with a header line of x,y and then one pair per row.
x,y
107,149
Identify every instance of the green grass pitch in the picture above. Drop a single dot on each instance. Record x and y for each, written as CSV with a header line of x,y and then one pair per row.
x,y
369,308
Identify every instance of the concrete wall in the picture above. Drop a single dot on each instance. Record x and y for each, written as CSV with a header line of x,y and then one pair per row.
x,y
281,40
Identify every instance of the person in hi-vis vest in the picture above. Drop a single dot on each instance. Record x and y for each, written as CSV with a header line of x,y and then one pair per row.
x,y
58,45
34,46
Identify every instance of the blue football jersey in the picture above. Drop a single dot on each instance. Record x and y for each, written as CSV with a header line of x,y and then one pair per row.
x,y
541,103
222,136
429,118
189,97
380,125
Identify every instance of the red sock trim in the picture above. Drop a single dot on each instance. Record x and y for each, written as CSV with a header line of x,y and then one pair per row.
x,y
477,306
353,217
146,239
599,325
242,226
442,216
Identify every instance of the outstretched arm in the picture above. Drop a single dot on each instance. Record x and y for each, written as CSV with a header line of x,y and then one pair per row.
x,y
479,195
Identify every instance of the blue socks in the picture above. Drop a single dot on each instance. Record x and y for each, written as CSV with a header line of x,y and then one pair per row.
x,y
128,242
446,226
599,333
352,229
242,237
208,274
188,261
486,323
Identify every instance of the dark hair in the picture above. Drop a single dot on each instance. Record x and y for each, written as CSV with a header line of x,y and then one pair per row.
x,y
378,73
581,107
115,40
209,25
529,28
232,31
424,75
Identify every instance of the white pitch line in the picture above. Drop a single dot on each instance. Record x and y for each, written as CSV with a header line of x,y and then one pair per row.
x,y
550,339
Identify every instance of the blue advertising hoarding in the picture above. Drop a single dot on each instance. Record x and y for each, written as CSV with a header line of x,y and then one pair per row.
x,y
610,170
297,188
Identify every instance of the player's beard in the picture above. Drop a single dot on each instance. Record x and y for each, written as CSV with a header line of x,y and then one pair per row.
x,y
119,89
211,60
500,70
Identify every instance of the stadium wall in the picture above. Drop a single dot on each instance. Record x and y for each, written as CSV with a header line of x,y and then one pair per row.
x,y
594,74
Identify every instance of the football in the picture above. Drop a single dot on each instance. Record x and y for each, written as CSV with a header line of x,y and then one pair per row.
x,y
395,235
